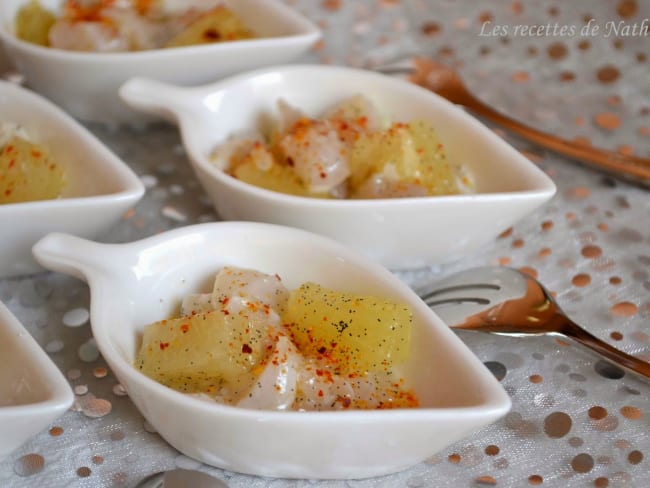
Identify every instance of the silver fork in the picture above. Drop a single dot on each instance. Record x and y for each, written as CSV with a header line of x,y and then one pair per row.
x,y
505,301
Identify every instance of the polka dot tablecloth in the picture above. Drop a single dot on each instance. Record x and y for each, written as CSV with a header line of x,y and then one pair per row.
x,y
575,69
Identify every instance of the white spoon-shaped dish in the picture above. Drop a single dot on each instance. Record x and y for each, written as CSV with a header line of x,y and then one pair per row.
x,y
397,232
99,189
33,391
135,284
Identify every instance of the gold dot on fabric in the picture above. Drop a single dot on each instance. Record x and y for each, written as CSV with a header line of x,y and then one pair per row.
x,y
492,450
581,280
614,101
567,76
518,243
635,457
117,435
505,261
603,227
56,431
535,479
29,464
557,424
624,309
622,444
632,413
626,8
617,336
607,74
607,121
454,458
84,472
431,28
557,50
584,45
486,480
485,17
597,412
520,76
582,463
591,251
98,460
601,482
578,193
547,225
545,252
576,442
615,280
100,372
535,378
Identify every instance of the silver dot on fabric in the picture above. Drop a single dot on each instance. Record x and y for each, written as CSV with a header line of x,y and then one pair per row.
x,y
119,390
54,346
76,317
74,374
88,351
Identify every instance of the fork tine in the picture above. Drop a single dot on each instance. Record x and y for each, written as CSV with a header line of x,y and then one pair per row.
x,y
458,301
469,286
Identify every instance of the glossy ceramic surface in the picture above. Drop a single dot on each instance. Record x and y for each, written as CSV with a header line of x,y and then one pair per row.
x,y
134,284
33,392
100,187
86,84
399,233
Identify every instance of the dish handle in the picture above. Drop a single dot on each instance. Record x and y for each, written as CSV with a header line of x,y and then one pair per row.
x,y
75,256
155,97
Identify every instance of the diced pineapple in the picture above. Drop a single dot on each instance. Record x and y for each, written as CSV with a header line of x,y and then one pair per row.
x,y
28,173
438,174
411,152
33,23
205,352
218,25
358,333
278,177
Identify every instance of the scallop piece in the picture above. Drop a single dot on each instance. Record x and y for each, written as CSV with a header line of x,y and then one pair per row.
x,y
252,293
317,154
275,387
86,36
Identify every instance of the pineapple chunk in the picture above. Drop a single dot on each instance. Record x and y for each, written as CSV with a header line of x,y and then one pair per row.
x,y
204,352
410,154
358,333
28,173
278,177
33,23
218,25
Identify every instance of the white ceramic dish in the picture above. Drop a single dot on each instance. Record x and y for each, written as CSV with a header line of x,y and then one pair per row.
x,y
141,282
100,187
400,233
86,84
33,392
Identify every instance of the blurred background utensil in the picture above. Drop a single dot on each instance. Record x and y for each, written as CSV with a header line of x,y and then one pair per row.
x,y
447,83
505,301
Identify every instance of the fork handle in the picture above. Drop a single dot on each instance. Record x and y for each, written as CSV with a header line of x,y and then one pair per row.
x,y
632,168
574,331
